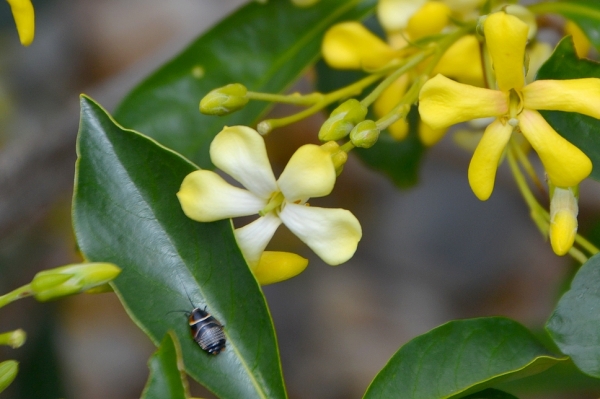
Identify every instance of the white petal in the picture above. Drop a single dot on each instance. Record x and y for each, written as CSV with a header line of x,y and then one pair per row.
x,y
206,197
309,173
332,233
254,237
240,152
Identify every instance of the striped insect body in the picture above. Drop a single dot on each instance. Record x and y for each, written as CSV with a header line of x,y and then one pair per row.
x,y
207,331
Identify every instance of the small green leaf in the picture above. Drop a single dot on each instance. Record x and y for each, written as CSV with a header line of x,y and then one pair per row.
x,y
167,378
581,130
8,372
585,13
125,212
459,358
490,394
264,47
575,322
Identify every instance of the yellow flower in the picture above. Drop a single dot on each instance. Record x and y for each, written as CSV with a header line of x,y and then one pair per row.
x,y
582,43
443,102
24,16
563,219
239,151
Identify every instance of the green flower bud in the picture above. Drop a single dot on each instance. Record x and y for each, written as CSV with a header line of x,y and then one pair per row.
x,y
365,134
342,120
224,100
8,372
15,339
71,279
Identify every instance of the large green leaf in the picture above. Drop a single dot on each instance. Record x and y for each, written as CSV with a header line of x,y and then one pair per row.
x,y
166,380
264,47
581,130
585,13
490,394
575,323
461,357
125,211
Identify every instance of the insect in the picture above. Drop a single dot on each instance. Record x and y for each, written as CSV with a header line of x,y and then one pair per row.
x,y
206,330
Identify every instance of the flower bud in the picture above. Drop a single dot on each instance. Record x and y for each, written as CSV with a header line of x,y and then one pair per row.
x,y
224,100
71,279
274,267
8,372
342,120
563,219
15,339
365,134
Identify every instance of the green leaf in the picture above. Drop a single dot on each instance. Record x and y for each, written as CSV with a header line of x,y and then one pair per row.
x,y
490,394
581,130
585,13
125,211
167,378
575,322
264,47
461,357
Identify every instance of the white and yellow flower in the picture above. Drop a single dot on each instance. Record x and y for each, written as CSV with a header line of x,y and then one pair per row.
x,y
443,102
239,151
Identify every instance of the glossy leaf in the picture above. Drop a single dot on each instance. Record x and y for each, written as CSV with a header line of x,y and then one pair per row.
x,y
125,211
575,322
580,130
167,378
585,13
264,47
459,358
490,394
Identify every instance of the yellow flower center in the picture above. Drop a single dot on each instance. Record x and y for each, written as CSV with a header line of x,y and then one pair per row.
x,y
274,202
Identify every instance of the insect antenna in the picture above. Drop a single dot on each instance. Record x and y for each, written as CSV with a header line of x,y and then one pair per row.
x,y
186,291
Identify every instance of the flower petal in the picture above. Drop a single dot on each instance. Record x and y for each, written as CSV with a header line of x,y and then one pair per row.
x,y
309,173
349,45
333,234
394,14
506,37
428,135
483,166
206,197
274,267
428,20
580,40
24,16
462,61
574,95
240,152
565,164
444,102
254,237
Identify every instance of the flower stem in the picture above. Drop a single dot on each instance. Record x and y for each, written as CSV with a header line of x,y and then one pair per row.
x,y
294,98
21,292
591,248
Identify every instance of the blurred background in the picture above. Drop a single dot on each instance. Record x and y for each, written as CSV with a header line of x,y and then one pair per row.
x,y
428,255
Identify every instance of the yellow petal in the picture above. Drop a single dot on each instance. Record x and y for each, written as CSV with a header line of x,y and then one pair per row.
x,y
563,220
24,16
240,152
388,99
444,102
506,37
349,45
309,173
333,234
399,129
275,267
205,197
539,52
462,61
430,136
565,164
574,95
582,43
428,20
483,166
394,14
